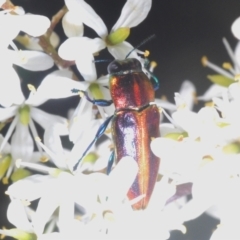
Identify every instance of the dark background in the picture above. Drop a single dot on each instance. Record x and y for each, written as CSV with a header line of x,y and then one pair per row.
x,y
186,30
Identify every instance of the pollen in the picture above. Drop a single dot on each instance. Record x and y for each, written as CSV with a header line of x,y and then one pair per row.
x,y
153,65
146,53
5,181
209,104
204,61
108,215
44,159
237,77
18,163
38,139
164,97
227,66
81,94
31,88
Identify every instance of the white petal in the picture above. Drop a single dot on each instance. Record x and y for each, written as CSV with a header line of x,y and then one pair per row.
x,y
166,128
9,27
53,142
45,120
166,105
235,28
10,91
76,47
88,132
103,80
133,13
214,90
7,148
88,15
234,90
6,113
66,212
237,55
22,143
29,188
82,116
53,87
16,208
226,232
72,24
32,60
106,95
34,25
116,190
86,66
188,121
46,206
187,91
121,50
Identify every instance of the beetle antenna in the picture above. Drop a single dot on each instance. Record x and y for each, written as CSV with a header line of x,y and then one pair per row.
x,y
142,43
102,60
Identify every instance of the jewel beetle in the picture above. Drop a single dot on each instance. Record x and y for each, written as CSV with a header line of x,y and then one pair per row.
x,y
135,123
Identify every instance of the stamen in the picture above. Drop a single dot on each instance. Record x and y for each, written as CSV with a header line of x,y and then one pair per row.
x,y
5,181
46,149
34,133
237,77
44,159
37,167
32,88
214,67
209,104
146,53
153,65
227,65
231,53
9,132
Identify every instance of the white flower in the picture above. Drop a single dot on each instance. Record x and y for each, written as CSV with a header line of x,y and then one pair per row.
x,y
235,28
27,229
23,113
133,13
226,74
84,59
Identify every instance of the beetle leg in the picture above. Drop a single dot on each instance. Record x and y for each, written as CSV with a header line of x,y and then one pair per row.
x,y
99,133
110,162
98,102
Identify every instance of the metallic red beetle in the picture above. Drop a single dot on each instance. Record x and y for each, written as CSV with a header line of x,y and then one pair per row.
x,y
135,122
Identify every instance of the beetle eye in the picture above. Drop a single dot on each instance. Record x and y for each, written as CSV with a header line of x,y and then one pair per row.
x,y
114,67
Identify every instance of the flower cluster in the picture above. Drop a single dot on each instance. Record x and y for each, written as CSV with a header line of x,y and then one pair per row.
x,y
199,152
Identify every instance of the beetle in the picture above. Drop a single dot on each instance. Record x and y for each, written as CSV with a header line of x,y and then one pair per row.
x,y
135,122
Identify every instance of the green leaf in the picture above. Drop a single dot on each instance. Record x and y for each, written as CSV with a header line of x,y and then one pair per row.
x,y
221,80
118,36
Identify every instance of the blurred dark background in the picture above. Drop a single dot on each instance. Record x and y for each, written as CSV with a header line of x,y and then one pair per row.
x,y
186,30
